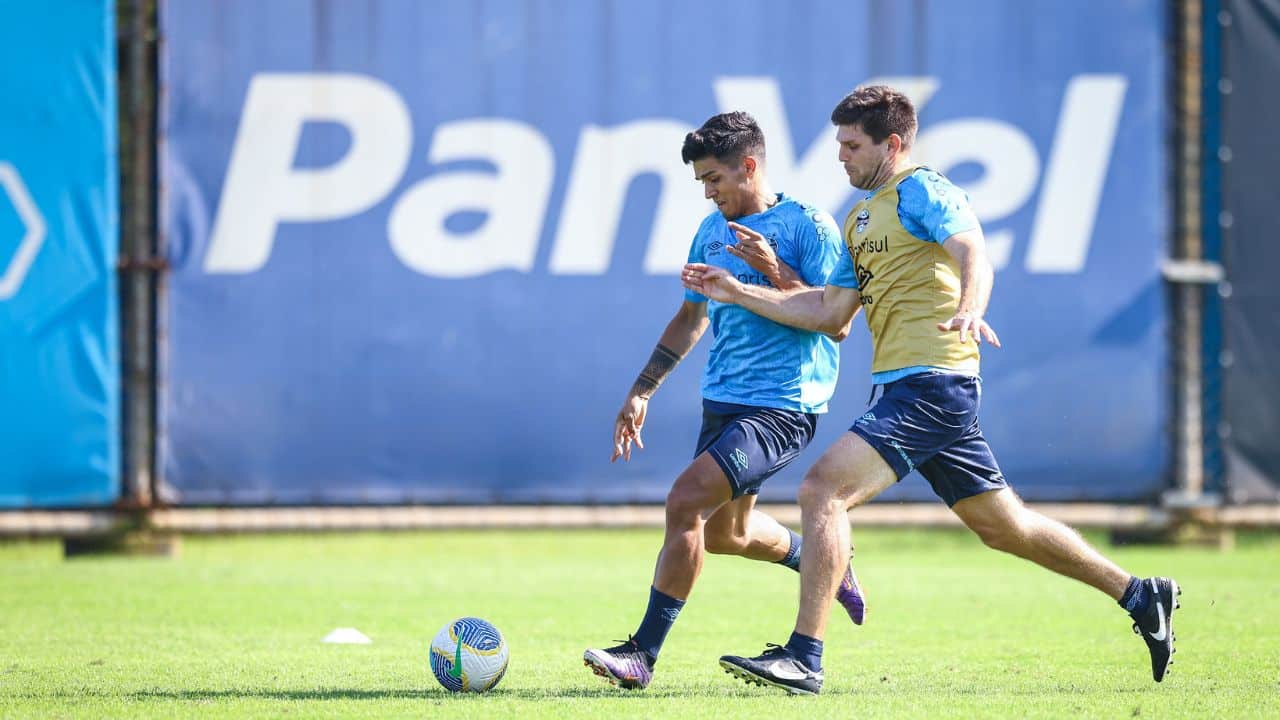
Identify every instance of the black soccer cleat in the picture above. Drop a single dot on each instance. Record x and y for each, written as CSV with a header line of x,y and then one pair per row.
x,y
776,667
1156,624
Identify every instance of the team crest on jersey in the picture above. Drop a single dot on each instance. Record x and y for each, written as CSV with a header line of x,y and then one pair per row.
x,y
860,222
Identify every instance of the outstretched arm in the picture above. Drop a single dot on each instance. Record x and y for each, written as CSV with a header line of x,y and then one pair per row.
x,y
829,310
682,333
969,249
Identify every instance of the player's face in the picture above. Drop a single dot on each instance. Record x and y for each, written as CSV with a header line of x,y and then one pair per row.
x,y
864,161
731,186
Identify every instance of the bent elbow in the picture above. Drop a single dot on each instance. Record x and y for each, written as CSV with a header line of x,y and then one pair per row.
x,y
834,330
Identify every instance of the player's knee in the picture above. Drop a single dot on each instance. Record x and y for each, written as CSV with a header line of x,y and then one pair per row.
x,y
816,490
999,534
684,508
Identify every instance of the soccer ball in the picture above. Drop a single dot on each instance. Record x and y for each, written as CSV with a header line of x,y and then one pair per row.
x,y
469,655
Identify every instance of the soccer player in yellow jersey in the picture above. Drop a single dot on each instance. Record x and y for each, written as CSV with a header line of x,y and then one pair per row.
x,y
916,263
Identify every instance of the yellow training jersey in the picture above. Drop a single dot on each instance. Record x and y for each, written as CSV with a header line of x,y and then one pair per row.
x,y
908,285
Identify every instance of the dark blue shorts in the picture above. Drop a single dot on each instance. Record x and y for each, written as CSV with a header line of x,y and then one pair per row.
x,y
752,443
929,422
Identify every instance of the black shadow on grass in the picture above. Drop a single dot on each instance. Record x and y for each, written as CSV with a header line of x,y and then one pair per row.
x,y
441,694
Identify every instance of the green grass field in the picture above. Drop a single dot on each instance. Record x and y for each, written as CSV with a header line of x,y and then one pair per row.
x,y
233,627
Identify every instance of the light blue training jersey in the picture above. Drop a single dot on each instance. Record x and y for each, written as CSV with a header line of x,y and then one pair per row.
x,y
756,361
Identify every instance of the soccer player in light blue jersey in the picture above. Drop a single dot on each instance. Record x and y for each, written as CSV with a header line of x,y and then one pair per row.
x,y
762,390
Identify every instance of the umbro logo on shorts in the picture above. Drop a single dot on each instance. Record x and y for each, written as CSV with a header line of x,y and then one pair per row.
x,y
739,459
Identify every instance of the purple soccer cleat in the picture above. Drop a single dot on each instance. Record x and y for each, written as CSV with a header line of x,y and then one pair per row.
x,y
625,665
851,597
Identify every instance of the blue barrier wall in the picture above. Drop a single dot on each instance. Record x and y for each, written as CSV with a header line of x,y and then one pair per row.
x,y
1245,228
421,249
59,356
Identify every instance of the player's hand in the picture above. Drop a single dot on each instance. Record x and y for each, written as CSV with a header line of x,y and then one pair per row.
x,y
966,323
713,282
754,249
626,429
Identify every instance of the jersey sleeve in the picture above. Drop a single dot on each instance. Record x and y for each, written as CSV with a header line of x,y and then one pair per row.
x,y
696,255
844,274
933,209
819,247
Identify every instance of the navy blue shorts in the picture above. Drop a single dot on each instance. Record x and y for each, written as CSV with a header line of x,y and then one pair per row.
x,y
929,422
752,443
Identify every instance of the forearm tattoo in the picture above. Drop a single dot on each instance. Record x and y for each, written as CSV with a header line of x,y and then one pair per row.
x,y
661,363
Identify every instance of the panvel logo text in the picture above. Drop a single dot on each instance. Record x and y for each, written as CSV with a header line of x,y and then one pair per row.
x,y
263,188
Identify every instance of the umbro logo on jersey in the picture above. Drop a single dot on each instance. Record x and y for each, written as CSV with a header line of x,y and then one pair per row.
x,y
715,247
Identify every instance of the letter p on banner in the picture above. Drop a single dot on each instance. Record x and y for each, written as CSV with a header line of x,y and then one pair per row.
x,y
262,188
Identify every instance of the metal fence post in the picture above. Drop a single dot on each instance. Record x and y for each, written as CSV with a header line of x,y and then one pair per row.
x,y
139,263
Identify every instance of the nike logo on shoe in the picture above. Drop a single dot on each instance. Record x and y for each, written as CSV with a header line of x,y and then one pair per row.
x,y
786,671
1162,629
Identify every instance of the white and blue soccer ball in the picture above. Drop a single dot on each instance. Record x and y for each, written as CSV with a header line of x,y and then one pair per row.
x,y
469,655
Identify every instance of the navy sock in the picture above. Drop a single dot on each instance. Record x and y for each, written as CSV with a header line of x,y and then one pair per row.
x,y
792,558
658,619
1136,598
807,650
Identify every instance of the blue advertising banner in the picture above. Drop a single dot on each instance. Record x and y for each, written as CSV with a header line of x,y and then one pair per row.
x,y
59,350
420,250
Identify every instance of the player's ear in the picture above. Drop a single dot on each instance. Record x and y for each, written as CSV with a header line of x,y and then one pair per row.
x,y
895,142
749,164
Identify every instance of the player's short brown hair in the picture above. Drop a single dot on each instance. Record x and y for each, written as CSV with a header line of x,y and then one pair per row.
x,y
880,111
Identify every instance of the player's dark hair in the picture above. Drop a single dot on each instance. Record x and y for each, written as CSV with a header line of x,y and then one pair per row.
x,y
728,137
880,111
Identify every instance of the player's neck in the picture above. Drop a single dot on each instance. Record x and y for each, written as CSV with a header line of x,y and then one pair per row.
x,y
763,199
900,162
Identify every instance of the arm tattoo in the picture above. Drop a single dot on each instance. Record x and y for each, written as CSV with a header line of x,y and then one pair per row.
x,y
661,363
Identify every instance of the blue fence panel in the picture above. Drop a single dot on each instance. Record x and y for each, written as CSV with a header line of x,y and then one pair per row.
x,y
421,249
59,354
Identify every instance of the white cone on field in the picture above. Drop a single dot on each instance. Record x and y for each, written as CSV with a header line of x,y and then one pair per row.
x,y
347,636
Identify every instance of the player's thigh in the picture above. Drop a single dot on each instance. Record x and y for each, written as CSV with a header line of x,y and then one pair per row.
x,y
850,471
992,513
703,487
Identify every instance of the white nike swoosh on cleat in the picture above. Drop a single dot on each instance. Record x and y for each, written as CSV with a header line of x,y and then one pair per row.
x,y
1162,631
785,671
